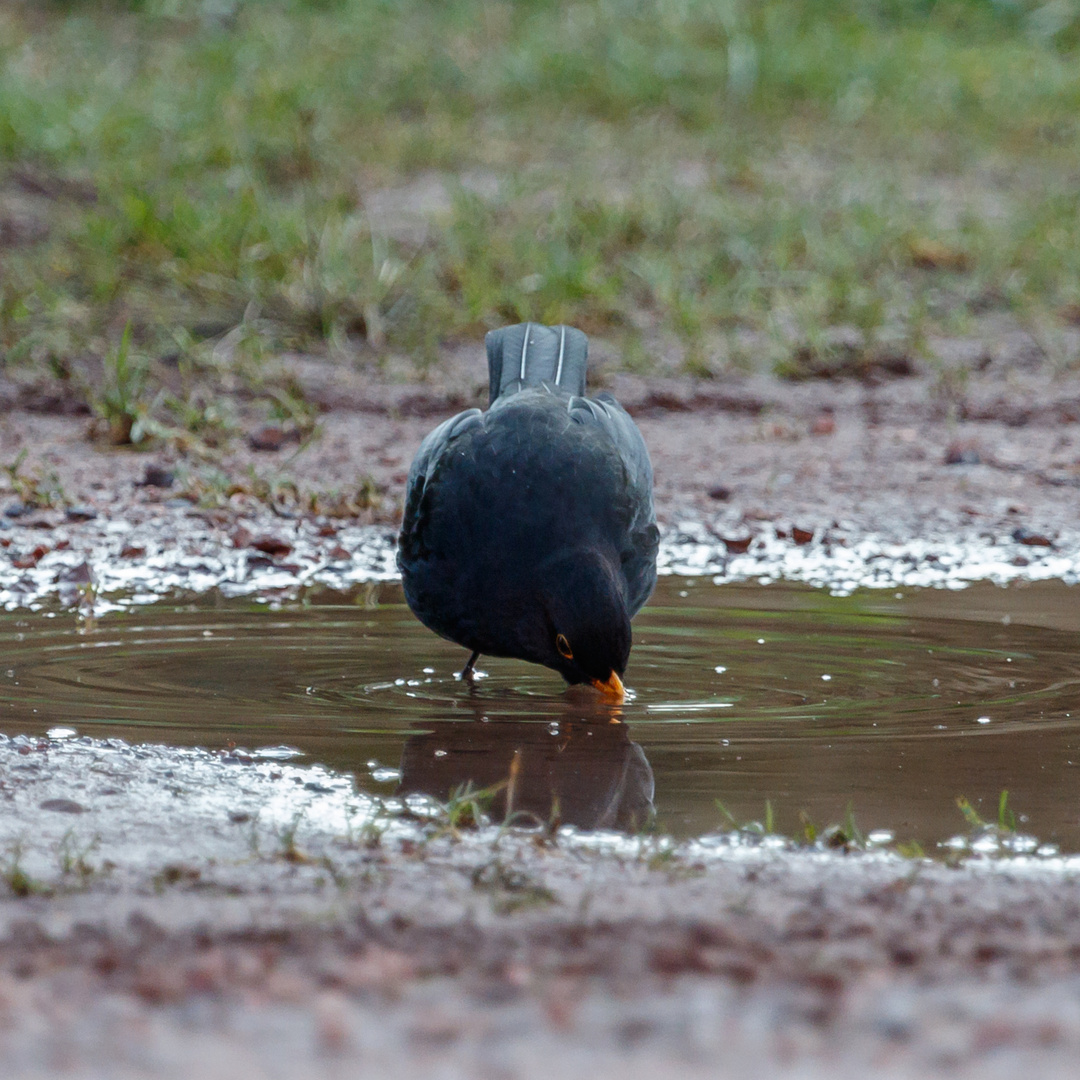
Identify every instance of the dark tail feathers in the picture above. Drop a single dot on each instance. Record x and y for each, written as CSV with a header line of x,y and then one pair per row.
x,y
530,354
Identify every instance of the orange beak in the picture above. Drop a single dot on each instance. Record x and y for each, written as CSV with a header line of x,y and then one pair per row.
x,y
613,688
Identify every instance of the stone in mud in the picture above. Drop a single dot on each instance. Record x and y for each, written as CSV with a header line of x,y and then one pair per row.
x,y
80,513
1031,539
76,575
929,254
21,228
269,438
271,545
158,476
958,453
30,559
63,806
738,546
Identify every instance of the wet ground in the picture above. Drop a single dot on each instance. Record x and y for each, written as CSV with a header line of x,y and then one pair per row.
x,y
185,894
181,913
840,484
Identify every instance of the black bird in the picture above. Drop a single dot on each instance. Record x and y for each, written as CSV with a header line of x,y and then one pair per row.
x,y
529,529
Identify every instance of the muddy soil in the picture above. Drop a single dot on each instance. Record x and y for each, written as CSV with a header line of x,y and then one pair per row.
x,y
126,951
894,455
172,925
839,483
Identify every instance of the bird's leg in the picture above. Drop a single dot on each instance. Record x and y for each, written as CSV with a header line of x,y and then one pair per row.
x,y
467,670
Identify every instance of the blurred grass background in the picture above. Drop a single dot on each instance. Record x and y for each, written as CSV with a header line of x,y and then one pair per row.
x,y
713,185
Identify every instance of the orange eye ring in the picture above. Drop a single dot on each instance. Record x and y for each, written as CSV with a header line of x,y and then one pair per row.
x,y
564,646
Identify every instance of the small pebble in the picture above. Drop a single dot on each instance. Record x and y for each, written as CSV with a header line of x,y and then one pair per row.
x,y
1031,539
962,454
272,545
738,547
269,438
158,476
76,575
63,806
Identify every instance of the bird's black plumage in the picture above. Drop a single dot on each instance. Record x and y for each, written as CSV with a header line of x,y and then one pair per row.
x,y
529,529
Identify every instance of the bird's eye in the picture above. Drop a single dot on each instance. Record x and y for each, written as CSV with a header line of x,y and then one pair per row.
x,y
564,647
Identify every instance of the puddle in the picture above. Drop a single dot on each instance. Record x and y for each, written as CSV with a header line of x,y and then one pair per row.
x,y
892,703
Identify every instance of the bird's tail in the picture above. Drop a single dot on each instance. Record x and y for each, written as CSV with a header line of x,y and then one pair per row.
x,y
530,354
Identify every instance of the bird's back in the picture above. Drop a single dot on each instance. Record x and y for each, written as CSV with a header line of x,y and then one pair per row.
x,y
544,471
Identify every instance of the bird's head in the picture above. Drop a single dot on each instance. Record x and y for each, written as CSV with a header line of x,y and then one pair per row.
x,y
586,634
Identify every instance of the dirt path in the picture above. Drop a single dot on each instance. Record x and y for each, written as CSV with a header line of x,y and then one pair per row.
x,y
839,484
161,928
172,925
893,455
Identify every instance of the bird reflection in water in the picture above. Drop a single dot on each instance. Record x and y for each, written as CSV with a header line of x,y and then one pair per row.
x,y
580,768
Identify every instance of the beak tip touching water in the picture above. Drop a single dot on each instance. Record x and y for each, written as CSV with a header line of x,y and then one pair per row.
x,y
612,689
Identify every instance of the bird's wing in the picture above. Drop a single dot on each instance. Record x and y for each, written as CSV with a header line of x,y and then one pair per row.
x,y
431,452
604,414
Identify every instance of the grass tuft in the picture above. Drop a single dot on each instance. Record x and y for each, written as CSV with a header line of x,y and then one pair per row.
x,y
121,402
14,875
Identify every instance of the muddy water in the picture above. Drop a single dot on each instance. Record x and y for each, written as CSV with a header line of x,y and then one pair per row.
x,y
892,704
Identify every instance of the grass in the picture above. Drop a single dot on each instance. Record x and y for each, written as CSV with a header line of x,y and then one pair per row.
x,y
845,836
511,889
38,489
14,875
765,827
1006,823
793,185
120,402
468,807
214,485
286,840
849,836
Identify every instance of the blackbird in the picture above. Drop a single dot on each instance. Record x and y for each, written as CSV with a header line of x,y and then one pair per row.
x,y
529,529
